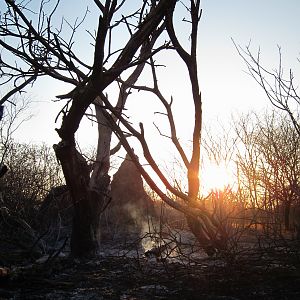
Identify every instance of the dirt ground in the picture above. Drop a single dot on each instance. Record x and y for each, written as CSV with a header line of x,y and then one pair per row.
x,y
122,270
115,277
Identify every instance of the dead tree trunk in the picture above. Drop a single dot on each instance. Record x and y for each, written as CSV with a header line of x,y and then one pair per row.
x,y
85,231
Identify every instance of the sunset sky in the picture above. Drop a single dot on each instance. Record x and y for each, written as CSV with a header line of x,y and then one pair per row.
x,y
226,88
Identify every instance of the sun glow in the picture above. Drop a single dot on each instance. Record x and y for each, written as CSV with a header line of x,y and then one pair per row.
x,y
216,177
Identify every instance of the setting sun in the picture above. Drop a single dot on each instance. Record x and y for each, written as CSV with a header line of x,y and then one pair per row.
x,y
216,177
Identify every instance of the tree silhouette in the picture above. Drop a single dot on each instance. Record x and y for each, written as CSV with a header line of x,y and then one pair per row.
x,y
41,49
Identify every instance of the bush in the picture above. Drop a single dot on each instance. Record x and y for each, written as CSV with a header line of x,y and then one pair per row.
x,y
32,172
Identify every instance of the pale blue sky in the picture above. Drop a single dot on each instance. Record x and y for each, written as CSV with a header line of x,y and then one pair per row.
x,y
225,87
267,23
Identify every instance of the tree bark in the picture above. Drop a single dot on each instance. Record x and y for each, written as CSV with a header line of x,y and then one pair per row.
x,y
87,204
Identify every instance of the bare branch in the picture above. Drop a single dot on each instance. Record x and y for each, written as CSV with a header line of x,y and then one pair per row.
x,y
17,89
100,5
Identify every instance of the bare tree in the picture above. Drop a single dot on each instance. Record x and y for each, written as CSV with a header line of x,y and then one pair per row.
x,y
278,85
281,90
268,163
41,49
202,223
14,114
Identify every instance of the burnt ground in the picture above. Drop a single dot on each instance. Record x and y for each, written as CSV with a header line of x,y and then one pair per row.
x,y
122,271
113,277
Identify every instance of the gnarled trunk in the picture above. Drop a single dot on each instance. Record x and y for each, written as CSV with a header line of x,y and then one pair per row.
x,y
85,239
88,203
209,232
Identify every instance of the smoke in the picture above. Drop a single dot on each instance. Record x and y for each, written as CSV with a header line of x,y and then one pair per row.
x,y
153,237
144,224
146,235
